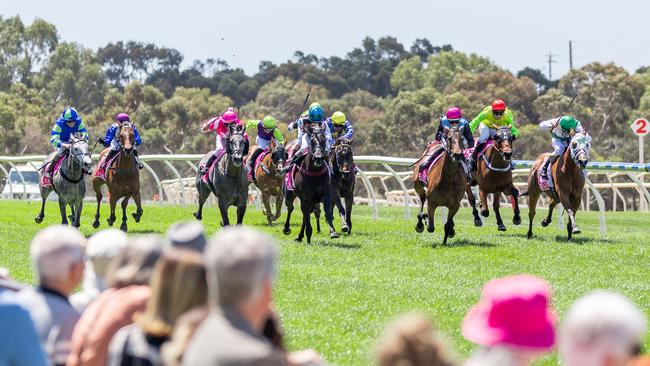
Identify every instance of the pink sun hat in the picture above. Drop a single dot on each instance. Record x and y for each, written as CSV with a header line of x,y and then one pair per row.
x,y
513,310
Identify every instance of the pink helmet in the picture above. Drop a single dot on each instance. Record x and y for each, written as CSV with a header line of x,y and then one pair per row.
x,y
123,117
454,114
230,116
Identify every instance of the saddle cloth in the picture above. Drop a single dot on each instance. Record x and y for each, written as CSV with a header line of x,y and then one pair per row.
x,y
46,181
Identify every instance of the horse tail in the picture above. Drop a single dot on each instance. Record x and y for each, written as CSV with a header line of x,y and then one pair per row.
x,y
524,192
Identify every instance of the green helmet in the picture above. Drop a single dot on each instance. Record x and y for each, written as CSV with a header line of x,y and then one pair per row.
x,y
568,123
269,122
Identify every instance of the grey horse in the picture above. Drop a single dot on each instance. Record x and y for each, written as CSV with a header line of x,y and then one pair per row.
x,y
228,180
68,182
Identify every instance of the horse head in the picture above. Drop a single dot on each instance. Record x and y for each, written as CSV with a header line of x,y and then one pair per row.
x,y
317,149
579,147
80,152
278,154
127,138
343,155
454,143
503,142
236,144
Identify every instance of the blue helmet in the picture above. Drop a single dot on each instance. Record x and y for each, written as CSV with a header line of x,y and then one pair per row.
x,y
70,114
316,114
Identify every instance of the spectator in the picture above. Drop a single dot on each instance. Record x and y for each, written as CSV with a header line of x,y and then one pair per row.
x,y
57,254
513,322
172,352
602,328
178,285
19,344
411,341
241,265
127,294
100,250
187,235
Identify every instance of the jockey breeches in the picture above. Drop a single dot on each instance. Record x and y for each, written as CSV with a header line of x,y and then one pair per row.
x,y
558,147
485,133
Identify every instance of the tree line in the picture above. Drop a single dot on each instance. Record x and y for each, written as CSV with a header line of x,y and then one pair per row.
x,y
392,93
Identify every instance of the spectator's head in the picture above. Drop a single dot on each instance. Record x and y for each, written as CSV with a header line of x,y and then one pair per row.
x,y
134,264
241,267
513,315
602,328
178,284
188,235
411,341
58,256
640,361
102,248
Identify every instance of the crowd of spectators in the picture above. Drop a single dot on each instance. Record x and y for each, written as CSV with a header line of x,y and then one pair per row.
x,y
186,300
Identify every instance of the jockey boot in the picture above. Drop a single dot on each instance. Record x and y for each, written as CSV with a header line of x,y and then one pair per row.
x,y
472,160
137,160
251,164
295,159
468,172
205,168
49,172
427,160
549,162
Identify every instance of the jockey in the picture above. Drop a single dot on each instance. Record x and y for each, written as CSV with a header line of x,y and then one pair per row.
x,y
339,125
491,117
60,138
266,130
221,125
453,118
297,124
561,129
314,116
112,139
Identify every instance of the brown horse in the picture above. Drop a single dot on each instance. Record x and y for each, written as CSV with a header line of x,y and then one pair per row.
x,y
568,180
122,179
446,182
494,175
269,177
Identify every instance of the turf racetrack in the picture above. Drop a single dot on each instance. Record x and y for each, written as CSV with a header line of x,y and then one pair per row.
x,y
337,295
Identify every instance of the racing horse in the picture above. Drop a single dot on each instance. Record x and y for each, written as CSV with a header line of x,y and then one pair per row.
x,y
226,178
494,175
445,183
122,179
310,182
343,179
568,178
268,176
68,181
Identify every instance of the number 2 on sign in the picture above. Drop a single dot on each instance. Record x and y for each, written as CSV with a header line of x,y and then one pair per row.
x,y
642,126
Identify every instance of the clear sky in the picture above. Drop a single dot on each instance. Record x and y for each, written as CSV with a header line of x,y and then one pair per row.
x,y
512,33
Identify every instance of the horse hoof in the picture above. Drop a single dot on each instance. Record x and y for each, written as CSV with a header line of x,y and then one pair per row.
x,y
502,227
485,213
452,233
38,219
516,220
110,222
530,235
345,229
299,240
197,216
136,216
545,223
123,227
71,218
577,230
95,224
286,231
334,235
478,223
431,229
419,227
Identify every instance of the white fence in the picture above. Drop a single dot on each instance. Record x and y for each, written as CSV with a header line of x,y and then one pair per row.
x,y
385,180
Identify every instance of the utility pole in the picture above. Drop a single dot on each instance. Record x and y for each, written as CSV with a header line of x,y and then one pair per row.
x,y
550,62
570,55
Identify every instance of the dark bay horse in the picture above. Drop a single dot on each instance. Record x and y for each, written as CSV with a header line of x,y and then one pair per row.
x,y
268,178
312,185
568,181
445,184
228,179
343,179
122,179
68,182
494,175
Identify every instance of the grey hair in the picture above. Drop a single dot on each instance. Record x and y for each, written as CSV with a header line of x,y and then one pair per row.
x,y
103,246
133,266
54,250
238,261
601,323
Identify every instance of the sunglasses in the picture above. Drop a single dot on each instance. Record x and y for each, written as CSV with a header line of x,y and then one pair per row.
x,y
498,113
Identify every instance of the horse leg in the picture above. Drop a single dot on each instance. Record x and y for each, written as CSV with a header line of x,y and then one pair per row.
x,y
113,202
549,217
574,208
472,202
495,205
306,211
77,213
125,203
484,207
431,210
317,216
223,209
204,193
266,200
98,196
241,211
349,201
71,217
449,226
62,208
329,215
41,215
278,206
419,227
137,198
289,203
514,192
533,196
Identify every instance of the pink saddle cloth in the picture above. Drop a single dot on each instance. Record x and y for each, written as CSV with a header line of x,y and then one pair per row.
x,y
544,185
468,152
45,180
423,174
206,177
100,172
288,179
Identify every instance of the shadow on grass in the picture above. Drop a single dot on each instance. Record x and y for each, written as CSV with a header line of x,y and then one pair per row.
x,y
581,240
336,244
143,231
451,243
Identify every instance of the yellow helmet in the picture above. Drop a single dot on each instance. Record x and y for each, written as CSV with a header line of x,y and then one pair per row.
x,y
338,118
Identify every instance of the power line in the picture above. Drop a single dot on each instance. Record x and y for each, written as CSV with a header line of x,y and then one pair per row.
x,y
550,62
